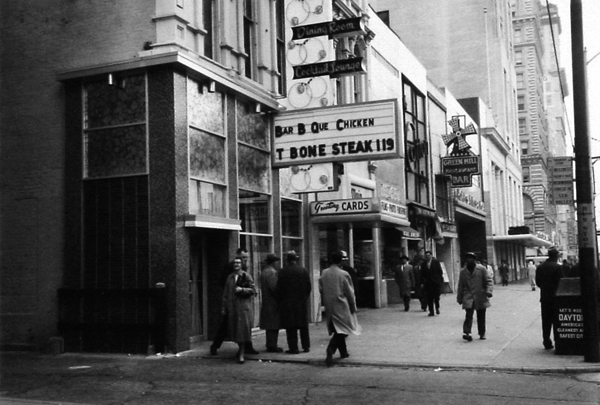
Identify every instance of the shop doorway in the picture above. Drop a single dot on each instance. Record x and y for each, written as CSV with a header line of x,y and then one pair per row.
x,y
209,256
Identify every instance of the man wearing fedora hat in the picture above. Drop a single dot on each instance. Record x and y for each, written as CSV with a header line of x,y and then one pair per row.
x,y
293,289
269,310
403,274
474,291
547,277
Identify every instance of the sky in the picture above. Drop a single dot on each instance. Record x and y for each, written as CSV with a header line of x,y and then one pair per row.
x,y
591,20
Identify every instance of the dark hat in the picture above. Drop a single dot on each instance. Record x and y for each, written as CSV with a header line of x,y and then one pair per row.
x,y
344,254
471,254
271,257
291,255
553,252
404,257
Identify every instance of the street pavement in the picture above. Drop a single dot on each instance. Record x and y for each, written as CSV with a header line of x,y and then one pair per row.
x,y
403,342
392,337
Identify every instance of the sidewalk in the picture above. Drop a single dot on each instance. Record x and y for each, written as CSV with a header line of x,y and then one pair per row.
x,y
392,337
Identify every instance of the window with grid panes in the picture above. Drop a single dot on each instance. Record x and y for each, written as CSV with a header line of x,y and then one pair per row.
x,y
416,145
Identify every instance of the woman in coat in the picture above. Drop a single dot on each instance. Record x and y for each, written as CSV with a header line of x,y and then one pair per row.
x,y
339,301
474,291
237,304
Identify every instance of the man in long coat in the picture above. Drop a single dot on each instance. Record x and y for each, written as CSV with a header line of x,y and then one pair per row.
x,y
432,279
403,274
547,277
293,289
339,301
475,287
269,311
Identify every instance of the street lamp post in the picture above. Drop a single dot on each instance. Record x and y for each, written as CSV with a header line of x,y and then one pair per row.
x,y
585,205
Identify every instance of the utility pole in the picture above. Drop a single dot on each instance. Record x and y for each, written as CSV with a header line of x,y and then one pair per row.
x,y
586,222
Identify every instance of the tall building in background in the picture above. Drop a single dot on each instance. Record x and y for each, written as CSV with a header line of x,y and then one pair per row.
x,y
561,139
467,46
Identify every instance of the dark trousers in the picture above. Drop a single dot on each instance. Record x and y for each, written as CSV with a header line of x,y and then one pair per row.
x,y
338,341
433,298
468,324
272,337
406,300
292,338
222,333
547,321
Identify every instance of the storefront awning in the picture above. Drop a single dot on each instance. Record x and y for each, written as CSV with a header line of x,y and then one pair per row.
x,y
409,233
357,218
527,240
202,221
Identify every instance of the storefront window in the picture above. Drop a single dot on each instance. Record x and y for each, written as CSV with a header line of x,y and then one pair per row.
x,y
291,225
207,199
416,145
115,137
255,236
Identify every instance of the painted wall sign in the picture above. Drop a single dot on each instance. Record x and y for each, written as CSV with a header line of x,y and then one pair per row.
x,y
333,29
561,169
331,68
353,132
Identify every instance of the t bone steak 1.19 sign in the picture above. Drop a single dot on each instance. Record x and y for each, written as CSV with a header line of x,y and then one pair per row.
x,y
353,132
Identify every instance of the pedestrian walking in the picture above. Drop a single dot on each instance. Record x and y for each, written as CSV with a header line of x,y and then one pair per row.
x,y
237,305
531,270
565,267
293,288
432,279
403,274
221,334
351,270
490,270
419,290
547,277
269,310
504,272
339,301
474,291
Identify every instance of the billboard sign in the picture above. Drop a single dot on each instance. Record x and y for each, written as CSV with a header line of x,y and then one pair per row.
x,y
347,133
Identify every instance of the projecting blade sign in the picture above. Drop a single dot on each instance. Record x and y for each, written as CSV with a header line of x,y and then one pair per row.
x,y
461,163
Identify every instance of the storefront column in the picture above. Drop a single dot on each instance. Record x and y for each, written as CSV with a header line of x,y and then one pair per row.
x,y
377,269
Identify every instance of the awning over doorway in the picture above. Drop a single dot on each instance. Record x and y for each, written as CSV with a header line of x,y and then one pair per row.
x,y
409,233
203,221
527,240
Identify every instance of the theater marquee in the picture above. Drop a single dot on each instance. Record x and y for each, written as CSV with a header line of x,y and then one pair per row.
x,y
348,133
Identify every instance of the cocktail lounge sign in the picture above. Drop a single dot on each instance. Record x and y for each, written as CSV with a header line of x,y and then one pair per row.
x,y
461,164
331,68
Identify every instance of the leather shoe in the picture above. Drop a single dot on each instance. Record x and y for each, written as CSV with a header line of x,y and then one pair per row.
x,y
213,351
431,314
482,337
329,358
345,355
306,350
292,351
467,337
251,351
275,350
437,311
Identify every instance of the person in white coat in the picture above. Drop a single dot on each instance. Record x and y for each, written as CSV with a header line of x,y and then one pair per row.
x,y
474,292
337,295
